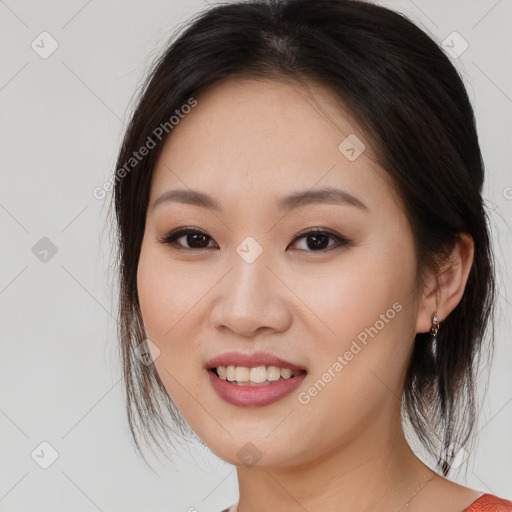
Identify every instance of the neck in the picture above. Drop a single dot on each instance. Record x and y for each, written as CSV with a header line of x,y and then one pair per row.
x,y
378,471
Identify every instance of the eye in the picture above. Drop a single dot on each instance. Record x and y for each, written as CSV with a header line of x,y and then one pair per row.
x,y
318,240
195,238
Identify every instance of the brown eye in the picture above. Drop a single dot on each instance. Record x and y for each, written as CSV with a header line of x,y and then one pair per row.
x,y
315,240
318,241
191,239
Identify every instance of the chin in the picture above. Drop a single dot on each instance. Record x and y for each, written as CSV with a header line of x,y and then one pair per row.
x,y
257,451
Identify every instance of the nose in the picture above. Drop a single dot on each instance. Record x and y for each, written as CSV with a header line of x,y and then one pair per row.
x,y
252,300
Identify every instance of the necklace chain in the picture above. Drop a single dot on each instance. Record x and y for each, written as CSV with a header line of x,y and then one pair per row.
x,y
416,492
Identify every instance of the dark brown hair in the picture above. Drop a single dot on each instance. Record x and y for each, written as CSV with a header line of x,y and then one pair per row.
x,y
401,88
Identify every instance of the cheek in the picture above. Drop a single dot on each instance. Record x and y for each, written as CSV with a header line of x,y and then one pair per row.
x,y
165,299
151,290
172,301
358,372
166,293
367,318
354,296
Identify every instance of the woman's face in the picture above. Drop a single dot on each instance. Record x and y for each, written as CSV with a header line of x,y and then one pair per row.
x,y
248,288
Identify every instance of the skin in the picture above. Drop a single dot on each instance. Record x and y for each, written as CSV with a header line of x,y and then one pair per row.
x,y
248,143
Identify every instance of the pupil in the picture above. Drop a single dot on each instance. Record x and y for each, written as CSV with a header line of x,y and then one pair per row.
x,y
316,244
190,239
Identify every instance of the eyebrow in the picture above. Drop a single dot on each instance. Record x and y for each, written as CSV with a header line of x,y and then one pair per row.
x,y
293,201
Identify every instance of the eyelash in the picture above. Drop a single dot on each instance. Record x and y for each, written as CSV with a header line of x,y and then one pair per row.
x,y
171,239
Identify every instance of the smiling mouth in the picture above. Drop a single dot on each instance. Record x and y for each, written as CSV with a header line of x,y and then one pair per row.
x,y
255,376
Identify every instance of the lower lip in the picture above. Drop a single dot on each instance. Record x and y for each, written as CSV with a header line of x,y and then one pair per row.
x,y
254,396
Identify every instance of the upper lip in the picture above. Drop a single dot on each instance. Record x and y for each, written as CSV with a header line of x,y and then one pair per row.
x,y
250,360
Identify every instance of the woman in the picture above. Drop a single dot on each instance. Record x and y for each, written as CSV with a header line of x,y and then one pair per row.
x,y
305,263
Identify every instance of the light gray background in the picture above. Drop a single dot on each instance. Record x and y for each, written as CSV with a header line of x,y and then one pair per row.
x,y
61,119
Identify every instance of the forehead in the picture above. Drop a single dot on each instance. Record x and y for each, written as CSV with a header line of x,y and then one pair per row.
x,y
264,136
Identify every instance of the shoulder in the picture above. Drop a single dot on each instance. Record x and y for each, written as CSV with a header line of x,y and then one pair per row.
x,y
490,503
445,495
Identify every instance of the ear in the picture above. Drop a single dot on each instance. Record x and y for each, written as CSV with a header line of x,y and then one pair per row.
x,y
444,295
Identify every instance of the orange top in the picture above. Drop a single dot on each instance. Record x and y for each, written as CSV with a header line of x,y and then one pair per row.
x,y
490,503
486,503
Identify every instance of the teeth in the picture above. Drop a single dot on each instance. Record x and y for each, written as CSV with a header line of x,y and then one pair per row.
x,y
286,373
230,373
257,375
273,373
242,374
